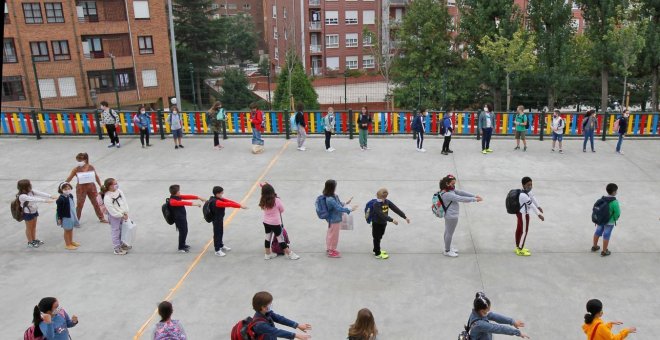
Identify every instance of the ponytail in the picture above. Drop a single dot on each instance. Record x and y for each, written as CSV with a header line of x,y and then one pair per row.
x,y
106,186
36,320
589,318
594,307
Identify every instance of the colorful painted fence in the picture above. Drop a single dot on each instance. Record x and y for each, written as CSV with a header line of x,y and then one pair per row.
x,y
277,122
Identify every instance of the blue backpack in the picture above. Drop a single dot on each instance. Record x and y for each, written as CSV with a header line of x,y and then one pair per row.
x,y
369,210
321,206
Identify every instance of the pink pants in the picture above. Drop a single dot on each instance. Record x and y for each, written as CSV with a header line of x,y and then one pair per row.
x,y
332,238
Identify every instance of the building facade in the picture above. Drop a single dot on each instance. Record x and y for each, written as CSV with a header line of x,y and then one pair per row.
x,y
253,8
71,46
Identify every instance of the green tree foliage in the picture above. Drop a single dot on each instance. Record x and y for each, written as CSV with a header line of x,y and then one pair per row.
x,y
241,37
650,57
627,41
293,81
235,92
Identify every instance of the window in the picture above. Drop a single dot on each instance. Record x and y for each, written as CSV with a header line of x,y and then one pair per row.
x,y
352,63
368,61
451,3
214,6
366,40
351,40
60,50
39,51
8,51
575,23
32,13
351,17
141,9
368,17
284,13
332,63
332,40
274,12
67,86
102,81
47,88
231,6
247,7
275,34
149,78
7,21
331,17
216,16
146,45
89,12
93,47
277,53
286,36
12,89
54,12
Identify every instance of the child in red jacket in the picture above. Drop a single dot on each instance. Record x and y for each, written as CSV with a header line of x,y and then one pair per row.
x,y
178,208
257,121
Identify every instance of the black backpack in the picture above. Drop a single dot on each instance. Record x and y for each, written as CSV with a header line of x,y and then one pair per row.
x,y
167,212
513,201
600,213
209,209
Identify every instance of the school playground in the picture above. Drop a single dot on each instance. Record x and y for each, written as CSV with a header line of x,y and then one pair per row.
x,y
415,294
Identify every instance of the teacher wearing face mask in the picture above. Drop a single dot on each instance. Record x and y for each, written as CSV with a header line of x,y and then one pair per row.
x,y
87,179
486,124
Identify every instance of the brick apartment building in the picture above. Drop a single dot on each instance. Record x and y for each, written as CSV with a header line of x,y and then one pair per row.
x,y
252,8
70,43
327,35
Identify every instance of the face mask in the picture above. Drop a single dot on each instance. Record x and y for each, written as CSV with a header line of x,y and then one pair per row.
x,y
116,186
486,109
80,164
57,310
270,307
66,192
451,188
142,111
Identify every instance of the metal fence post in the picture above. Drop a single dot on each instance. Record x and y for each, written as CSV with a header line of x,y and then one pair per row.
x,y
350,124
224,127
99,129
159,114
477,127
37,132
287,123
606,122
542,122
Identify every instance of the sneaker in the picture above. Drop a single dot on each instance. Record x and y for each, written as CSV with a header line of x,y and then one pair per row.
x,y
334,254
605,253
489,150
31,245
144,147
553,150
220,253
35,244
148,145
450,253
176,147
225,248
126,247
484,152
592,150
454,250
40,242
620,152
331,149
516,148
184,250
111,145
522,252
75,243
118,145
422,150
595,248
444,153
524,149
293,256
382,256
186,247
120,251
450,151
181,146
217,147
561,151
270,256
584,150
71,247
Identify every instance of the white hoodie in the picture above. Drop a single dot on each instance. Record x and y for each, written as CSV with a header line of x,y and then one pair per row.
x,y
116,203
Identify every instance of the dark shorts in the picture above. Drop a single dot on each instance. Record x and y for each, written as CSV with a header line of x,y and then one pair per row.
x,y
178,133
30,217
521,134
557,136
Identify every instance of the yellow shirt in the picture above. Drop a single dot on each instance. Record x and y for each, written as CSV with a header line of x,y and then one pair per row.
x,y
604,331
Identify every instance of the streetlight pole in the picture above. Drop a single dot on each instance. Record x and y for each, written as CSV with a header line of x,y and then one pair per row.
x,y
270,103
115,81
192,82
345,90
175,65
36,78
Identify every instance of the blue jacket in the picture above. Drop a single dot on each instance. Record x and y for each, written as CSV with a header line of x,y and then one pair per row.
x,y
335,209
269,330
58,328
144,120
482,329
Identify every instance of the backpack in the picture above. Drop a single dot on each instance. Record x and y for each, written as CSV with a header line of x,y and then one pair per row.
x,y
526,122
616,125
275,246
292,120
17,209
437,206
465,335
169,331
321,206
208,209
136,119
211,116
513,201
167,212
244,329
600,214
369,210
29,334
221,115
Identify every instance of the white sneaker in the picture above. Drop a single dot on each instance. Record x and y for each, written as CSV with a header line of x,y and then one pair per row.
x,y
220,253
269,256
225,248
422,150
293,256
454,250
330,149
449,253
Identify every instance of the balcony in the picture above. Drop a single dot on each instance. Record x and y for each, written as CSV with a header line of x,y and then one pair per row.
x,y
398,3
103,46
314,25
317,71
314,3
97,11
315,48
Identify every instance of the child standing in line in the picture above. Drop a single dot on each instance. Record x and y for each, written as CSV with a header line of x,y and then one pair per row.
x,y
447,129
558,125
419,128
301,127
605,230
329,127
257,122
622,122
596,329
28,200
364,327
66,215
380,212
450,199
364,121
218,205
114,201
527,202
273,209
176,126
335,210
143,122
520,122
178,205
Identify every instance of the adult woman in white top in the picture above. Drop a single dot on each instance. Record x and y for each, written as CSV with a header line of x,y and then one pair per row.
x,y
28,199
115,201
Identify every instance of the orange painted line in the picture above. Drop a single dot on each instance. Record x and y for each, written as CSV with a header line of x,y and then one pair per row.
x,y
195,262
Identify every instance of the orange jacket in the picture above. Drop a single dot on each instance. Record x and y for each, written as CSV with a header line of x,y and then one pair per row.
x,y
604,331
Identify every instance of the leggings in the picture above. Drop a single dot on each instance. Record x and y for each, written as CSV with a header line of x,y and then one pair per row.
x,y
112,133
485,138
277,230
519,229
216,138
420,139
144,135
450,227
445,144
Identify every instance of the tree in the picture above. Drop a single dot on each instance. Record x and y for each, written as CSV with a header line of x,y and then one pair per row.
x,y
384,52
241,37
294,85
601,17
627,40
651,54
551,22
511,55
235,92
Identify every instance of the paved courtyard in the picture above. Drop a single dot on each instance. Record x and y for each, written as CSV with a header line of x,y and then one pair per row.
x,y
416,294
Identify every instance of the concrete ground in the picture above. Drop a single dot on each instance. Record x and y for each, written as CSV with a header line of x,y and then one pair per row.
x,y
416,294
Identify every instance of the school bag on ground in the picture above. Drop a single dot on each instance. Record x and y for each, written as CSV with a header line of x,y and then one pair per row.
x,y
170,330
17,209
513,201
438,207
167,212
29,334
208,209
600,214
321,206
244,329
275,246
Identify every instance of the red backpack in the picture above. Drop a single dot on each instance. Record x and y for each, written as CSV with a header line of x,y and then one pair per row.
x,y
244,329
29,334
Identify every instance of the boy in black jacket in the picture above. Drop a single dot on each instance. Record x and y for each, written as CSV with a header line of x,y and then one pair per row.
x,y
380,218
364,120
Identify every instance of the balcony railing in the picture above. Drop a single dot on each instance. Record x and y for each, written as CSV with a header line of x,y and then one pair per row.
x,y
315,48
315,26
315,2
398,2
317,71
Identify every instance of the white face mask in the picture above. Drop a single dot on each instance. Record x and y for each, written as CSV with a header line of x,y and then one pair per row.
x,y
66,192
142,111
116,186
80,164
57,310
486,109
